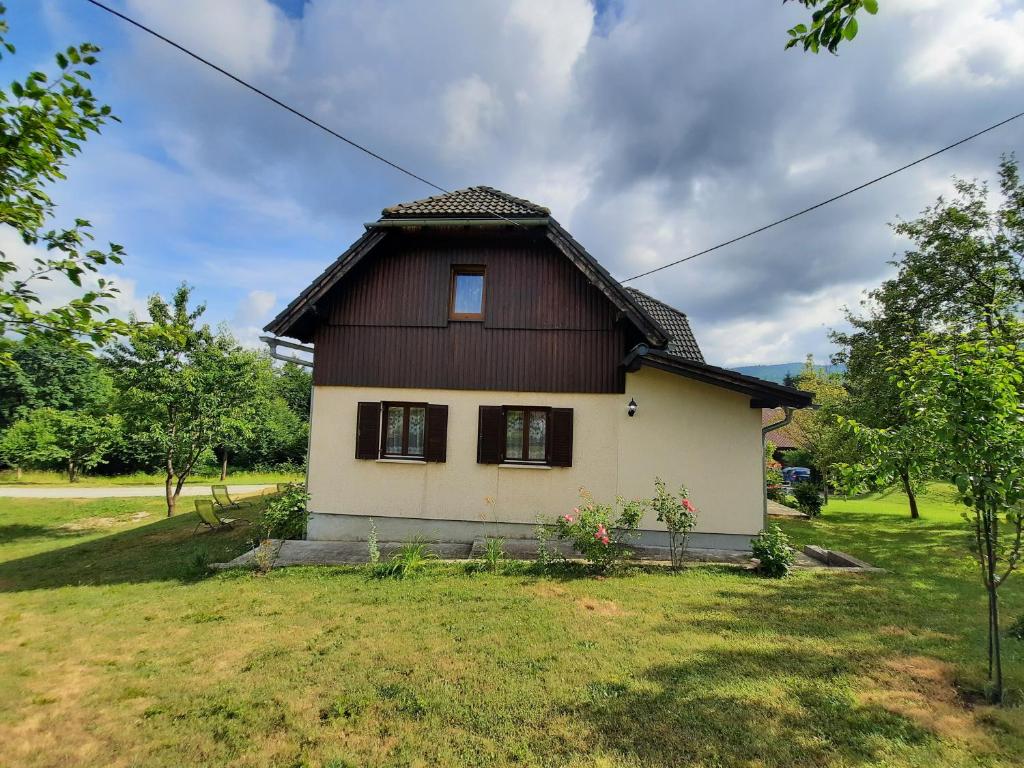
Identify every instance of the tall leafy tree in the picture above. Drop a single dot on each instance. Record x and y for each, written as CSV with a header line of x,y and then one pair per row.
x,y
964,269
966,392
239,425
44,120
76,441
179,385
49,375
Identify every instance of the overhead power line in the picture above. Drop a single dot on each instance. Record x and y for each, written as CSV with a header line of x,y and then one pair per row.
x,y
277,101
859,187
439,188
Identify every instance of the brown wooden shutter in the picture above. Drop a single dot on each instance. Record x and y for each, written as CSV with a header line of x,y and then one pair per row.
x,y
437,433
490,445
560,439
368,431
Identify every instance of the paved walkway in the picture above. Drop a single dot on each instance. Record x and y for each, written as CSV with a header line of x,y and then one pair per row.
x,y
108,491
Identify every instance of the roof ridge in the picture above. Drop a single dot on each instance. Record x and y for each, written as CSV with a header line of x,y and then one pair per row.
x,y
658,301
512,198
478,200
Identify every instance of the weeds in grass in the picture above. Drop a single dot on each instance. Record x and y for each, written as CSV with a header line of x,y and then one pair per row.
x,y
409,560
1016,630
199,563
494,553
373,551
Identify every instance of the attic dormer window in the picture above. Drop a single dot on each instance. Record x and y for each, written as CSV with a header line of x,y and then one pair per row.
x,y
467,294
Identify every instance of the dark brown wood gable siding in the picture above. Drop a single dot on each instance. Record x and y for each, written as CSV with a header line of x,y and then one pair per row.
x,y
545,328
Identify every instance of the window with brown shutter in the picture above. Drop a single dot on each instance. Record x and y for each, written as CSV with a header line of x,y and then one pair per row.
x,y
515,434
367,430
402,431
560,437
437,433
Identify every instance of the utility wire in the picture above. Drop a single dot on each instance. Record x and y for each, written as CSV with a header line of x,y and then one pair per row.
x,y
278,102
417,177
825,202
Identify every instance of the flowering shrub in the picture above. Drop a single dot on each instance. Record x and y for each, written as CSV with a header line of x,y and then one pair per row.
x,y
678,514
597,532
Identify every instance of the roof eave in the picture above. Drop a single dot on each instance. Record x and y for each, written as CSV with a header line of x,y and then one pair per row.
x,y
763,394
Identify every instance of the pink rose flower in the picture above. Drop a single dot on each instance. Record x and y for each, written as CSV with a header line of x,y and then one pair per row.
x,y
568,518
689,505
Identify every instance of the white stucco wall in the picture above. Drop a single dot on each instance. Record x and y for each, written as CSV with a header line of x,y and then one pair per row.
x,y
684,431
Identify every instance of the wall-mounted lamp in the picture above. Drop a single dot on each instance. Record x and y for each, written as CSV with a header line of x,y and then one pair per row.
x,y
631,408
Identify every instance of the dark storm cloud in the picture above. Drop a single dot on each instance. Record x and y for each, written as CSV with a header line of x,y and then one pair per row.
x,y
653,132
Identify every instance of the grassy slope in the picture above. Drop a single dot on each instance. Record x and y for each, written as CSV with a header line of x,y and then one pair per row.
x,y
109,639
33,477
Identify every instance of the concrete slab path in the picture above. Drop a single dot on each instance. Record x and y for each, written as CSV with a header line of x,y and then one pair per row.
x,y
109,491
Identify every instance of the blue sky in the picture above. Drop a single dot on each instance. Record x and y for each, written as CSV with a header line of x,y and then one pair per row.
x,y
651,129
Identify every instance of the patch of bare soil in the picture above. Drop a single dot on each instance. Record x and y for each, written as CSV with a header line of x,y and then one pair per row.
x,y
92,523
924,690
606,608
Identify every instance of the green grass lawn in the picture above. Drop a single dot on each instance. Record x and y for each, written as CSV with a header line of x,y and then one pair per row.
x,y
36,477
116,650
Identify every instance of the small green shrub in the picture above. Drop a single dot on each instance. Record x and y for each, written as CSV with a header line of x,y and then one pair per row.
x,y
808,498
774,555
285,517
409,560
1016,630
597,532
545,553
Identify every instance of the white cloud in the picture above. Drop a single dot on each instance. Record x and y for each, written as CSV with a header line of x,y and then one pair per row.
x,y
471,109
980,44
250,37
255,307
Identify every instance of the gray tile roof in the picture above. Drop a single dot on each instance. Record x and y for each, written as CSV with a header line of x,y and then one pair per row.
x,y
474,202
682,342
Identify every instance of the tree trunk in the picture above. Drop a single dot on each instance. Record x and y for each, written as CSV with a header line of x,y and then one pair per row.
x,y
996,663
169,494
17,473
224,464
168,486
911,497
72,472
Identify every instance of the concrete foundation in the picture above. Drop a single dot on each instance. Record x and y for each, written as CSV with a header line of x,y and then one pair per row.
x,y
339,527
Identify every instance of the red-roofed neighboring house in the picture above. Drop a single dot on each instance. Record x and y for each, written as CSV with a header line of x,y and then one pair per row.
x,y
785,439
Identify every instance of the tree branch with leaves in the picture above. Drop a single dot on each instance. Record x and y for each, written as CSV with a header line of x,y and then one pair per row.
x,y
44,120
832,22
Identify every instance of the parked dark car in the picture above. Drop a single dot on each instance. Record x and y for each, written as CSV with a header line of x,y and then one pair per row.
x,y
794,475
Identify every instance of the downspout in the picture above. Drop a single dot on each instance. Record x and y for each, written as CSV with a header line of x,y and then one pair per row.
x,y
764,468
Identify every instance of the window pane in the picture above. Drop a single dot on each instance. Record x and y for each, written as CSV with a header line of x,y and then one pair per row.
x,y
514,435
538,435
396,415
469,294
417,427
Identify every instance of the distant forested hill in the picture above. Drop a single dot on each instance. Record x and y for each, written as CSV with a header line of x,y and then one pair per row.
x,y
777,373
